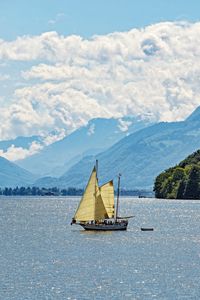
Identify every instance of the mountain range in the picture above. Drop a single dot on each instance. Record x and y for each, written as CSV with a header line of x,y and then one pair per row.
x,y
20,141
140,156
98,135
12,175
133,147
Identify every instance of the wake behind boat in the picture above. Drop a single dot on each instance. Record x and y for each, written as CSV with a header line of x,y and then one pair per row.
x,y
96,210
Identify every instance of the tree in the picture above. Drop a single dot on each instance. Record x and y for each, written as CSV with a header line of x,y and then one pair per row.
x,y
192,190
158,185
181,190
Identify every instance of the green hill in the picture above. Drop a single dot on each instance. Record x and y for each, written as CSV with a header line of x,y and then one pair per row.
x,y
181,181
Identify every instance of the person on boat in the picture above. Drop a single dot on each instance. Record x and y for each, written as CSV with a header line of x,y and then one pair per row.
x,y
73,221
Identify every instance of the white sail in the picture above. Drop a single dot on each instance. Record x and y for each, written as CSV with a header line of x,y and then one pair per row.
x,y
91,206
107,194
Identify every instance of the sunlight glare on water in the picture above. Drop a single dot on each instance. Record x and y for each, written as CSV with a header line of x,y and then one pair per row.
x,y
43,257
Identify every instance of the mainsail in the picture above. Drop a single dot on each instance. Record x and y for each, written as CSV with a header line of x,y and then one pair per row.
x,y
91,206
107,194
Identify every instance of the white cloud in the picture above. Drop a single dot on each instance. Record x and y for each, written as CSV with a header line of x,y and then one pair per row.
x,y
59,17
91,129
16,153
152,71
124,125
53,137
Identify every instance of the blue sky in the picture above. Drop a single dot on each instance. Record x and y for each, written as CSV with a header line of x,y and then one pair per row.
x,y
89,17
63,63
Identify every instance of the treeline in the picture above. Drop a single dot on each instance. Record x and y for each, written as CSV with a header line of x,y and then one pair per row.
x,y
180,182
36,191
71,191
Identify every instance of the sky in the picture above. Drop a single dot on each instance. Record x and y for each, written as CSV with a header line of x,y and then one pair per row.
x,y
63,63
89,17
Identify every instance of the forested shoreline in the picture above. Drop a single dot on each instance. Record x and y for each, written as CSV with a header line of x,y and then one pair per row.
x,y
71,191
36,191
181,181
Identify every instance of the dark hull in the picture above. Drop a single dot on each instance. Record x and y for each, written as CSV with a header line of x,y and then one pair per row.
x,y
147,229
105,227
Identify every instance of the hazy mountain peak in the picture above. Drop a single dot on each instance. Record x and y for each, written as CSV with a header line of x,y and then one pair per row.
x,y
141,155
195,115
98,135
12,175
20,141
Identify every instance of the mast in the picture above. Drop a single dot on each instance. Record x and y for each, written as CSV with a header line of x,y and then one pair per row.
x,y
117,205
97,168
96,184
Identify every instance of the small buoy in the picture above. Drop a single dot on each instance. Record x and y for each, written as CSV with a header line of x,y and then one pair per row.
x,y
147,229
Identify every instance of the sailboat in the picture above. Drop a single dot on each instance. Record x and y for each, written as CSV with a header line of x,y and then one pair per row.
x,y
96,210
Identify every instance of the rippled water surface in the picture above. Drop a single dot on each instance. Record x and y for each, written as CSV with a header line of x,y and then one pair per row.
x,y
43,257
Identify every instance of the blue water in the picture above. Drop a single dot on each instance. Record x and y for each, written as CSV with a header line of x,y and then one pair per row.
x,y
43,257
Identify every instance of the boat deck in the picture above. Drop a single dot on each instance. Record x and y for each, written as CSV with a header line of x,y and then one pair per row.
x,y
106,227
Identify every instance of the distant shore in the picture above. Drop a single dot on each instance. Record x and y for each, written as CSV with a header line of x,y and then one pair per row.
x,y
71,191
